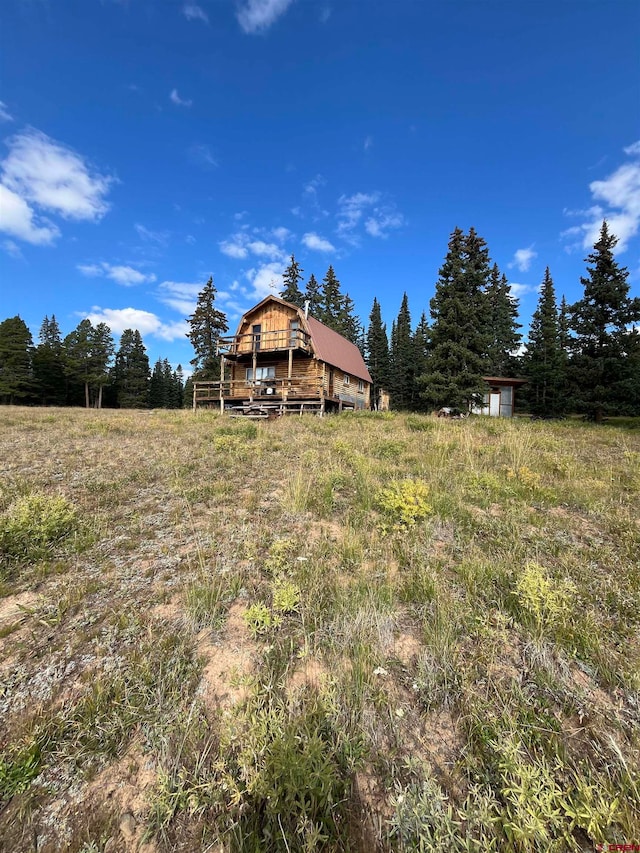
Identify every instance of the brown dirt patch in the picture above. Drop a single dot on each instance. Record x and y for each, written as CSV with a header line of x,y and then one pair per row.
x,y
406,648
11,606
226,663
311,673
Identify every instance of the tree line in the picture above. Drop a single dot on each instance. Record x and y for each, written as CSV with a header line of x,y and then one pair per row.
x,y
583,357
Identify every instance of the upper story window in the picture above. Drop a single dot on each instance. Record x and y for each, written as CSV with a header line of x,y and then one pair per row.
x,y
294,325
257,333
360,385
347,379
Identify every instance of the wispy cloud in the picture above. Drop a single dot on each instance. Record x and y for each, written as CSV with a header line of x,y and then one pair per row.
x,y
5,115
175,98
201,155
147,323
193,12
281,233
317,243
325,14
368,143
522,259
124,275
265,279
520,290
12,249
378,216
255,16
149,236
179,295
19,220
617,200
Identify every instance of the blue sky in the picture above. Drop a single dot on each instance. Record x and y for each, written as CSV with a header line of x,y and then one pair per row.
x,y
147,144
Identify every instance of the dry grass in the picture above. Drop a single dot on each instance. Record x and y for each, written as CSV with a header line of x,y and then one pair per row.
x,y
441,650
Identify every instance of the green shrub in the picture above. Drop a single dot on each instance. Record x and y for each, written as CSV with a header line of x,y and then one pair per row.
x,y
33,523
404,502
259,619
415,423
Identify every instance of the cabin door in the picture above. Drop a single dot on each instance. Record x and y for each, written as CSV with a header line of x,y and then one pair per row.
x,y
494,404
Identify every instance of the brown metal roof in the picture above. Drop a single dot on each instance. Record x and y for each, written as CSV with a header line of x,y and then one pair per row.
x,y
335,350
505,380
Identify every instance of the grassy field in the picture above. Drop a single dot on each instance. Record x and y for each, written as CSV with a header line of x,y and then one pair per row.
x,y
358,633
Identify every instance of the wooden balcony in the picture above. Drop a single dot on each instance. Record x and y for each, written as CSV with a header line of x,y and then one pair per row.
x,y
281,339
265,390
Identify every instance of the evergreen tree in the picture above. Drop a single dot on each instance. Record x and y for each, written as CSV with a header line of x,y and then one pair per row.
x,y
131,372
16,351
458,336
401,359
330,309
564,321
348,323
87,355
502,325
207,325
600,366
545,360
377,352
159,391
313,295
48,364
420,343
178,385
291,278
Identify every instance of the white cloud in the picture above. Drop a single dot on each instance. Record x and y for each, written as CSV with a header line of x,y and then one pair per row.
x,y
381,216
368,143
383,221
5,115
233,250
175,98
281,233
119,319
522,259
325,14
193,12
317,243
617,200
19,220
179,295
257,15
54,177
240,245
519,290
12,249
314,184
150,236
265,280
190,239
124,275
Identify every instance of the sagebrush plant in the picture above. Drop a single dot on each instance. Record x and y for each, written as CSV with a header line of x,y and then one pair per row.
x,y
259,619
33,523
540,598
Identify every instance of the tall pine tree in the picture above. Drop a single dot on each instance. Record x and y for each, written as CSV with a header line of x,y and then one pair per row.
x,y
600,320
207,325
16,351
502,325
48,364
545,360
401,359
291,277
88,351
420,360
131,372
313,295
377,352
459,332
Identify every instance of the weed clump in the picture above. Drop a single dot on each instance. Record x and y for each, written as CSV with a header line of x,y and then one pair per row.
x,y
34,523
405,502
540,599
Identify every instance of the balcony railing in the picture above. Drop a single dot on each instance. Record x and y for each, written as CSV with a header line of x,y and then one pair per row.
x,y
281,339
262,389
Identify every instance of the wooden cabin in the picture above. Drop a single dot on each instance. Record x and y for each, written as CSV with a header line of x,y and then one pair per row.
x,y
280,361
499,398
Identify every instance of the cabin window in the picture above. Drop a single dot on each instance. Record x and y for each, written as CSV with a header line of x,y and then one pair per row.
x,y
261,373
360,385
256,330
347,379
294,325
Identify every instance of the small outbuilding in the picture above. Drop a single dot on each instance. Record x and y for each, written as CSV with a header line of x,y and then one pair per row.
x,y
499,398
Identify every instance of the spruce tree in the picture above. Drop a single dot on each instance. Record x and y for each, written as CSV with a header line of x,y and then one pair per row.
x,y
458,336
545,360
159,391
313,295
87,355
48,364
207,325
330,309
502,325
291,277
600,320
131,372
420,343
377,352
401,359
16,352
